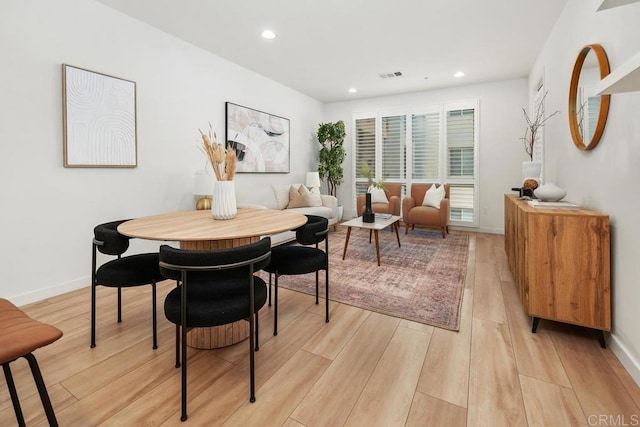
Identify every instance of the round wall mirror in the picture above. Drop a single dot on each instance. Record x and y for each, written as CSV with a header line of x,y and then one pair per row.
x,y
587,110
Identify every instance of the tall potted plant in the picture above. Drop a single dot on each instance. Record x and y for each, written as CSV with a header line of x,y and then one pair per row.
x,y
332,154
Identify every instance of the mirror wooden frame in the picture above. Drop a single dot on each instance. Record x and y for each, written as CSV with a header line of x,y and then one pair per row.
x,y
603,63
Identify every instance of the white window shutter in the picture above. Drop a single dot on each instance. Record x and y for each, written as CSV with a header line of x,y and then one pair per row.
x,y
425,146
394,131
365,142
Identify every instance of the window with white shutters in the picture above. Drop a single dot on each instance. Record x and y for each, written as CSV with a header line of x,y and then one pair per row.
x,y
462,203
460,142
461,148
425,142
436,146
394,132
365,146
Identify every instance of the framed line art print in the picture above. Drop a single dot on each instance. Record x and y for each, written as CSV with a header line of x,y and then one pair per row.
x,y
99,120
261,140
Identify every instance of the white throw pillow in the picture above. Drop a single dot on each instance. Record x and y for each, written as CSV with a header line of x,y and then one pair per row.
x,y
434,196
378,195
301,197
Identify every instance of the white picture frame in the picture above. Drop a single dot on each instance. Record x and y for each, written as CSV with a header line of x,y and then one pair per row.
x,y
99,120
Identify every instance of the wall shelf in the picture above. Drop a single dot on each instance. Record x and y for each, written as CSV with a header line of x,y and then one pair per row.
x,y
609,4
625,78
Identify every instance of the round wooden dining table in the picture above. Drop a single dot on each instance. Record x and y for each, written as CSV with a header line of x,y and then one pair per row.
x,y
196,229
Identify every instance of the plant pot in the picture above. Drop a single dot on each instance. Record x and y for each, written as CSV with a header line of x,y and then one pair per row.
x,y
339,211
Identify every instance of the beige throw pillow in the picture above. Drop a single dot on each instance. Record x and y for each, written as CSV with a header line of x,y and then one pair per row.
x,y
301,197
434,196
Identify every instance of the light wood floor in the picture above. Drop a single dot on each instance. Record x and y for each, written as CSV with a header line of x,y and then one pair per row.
x,y
361,369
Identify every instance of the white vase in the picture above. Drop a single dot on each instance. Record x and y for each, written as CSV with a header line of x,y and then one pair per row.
x,y
531,169
223,201
549,192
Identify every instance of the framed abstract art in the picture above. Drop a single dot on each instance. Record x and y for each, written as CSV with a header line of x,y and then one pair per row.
x,y
261,140
99,119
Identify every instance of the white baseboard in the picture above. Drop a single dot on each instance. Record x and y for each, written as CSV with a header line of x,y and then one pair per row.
x,y
44,293
491,230
487,230
628,361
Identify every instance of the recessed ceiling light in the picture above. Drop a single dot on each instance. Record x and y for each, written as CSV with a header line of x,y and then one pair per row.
x,y
459,74
353,90
268,34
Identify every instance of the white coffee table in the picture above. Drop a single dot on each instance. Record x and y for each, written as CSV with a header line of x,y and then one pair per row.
x,y
380,223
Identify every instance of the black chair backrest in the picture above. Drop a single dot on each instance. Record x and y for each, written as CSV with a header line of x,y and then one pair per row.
x,y
314,231
108,240
173,261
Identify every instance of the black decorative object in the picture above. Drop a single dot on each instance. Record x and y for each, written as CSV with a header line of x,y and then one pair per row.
x,y
368,215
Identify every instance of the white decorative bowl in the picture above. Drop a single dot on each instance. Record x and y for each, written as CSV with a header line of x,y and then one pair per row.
x,y
549,192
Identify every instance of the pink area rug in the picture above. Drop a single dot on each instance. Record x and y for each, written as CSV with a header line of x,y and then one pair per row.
x,y
421,281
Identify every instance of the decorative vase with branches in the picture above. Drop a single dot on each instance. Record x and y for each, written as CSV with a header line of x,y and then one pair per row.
x,y
533,126
223,161
332,153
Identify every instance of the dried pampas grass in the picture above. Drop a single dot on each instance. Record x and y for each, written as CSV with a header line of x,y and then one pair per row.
x,y
222,160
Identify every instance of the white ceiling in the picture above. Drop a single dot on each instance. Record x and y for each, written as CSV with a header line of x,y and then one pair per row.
x,y
324,47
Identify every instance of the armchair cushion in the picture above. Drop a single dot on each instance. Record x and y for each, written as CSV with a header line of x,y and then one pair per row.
x,y
378,195
434,196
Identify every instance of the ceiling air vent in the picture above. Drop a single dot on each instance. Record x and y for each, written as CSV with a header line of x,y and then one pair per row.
x,y
390,75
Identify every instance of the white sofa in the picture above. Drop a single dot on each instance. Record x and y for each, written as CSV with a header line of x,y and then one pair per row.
x,y
277,197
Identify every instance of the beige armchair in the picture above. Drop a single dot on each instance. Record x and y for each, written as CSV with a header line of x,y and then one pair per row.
x,y
394,194
413,213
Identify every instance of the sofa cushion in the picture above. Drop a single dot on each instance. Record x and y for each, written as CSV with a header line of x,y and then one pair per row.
x,y
281,193
316,210
251,196
300,197
434,196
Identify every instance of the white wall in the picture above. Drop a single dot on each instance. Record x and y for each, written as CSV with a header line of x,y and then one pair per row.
x,y
501,127
48,212
607,177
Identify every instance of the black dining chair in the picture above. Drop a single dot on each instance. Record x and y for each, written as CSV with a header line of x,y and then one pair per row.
x,y
216,287
122,272
301,258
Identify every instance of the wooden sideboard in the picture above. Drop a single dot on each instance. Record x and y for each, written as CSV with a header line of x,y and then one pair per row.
x,y
560,261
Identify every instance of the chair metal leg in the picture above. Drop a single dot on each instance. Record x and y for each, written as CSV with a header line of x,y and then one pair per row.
x,y
93,315
119,305
275,307
317,286
326,278
269,289
252,362
14,394
42,389
257,332
326,295
154,316
177,346
183,346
